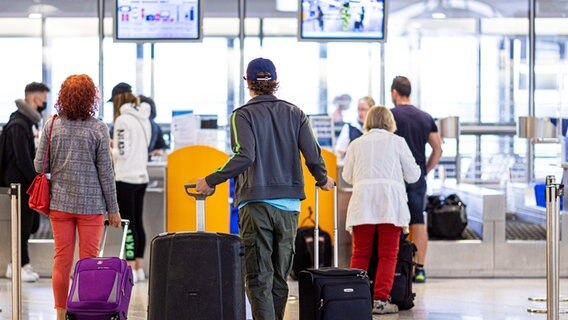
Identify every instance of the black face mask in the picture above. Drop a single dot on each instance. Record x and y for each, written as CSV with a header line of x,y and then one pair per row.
x,y
42,107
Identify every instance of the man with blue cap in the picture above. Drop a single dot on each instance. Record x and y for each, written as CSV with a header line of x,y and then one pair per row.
x,y
267,136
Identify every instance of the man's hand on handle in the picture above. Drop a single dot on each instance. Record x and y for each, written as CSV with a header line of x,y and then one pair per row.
x,y
203,188
328,185
114,219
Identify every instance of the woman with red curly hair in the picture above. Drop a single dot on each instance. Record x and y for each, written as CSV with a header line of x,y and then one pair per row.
x,y
82,179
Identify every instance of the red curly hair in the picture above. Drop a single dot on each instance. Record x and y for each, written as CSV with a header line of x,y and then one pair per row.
x,y
78,98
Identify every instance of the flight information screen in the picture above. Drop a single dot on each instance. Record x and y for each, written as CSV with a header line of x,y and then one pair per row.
x,y
157,20
344,20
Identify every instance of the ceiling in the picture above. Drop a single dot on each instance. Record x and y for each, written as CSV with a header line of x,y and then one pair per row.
x,y
267,8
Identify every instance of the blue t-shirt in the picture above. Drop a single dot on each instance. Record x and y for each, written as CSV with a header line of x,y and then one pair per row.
x,y
415,126
286,204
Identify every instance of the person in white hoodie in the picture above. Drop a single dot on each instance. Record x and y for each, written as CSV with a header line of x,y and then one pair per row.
x,y
377,164
132,132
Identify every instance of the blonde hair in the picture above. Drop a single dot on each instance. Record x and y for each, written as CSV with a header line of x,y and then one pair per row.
x,y
368,100
119,99
380,117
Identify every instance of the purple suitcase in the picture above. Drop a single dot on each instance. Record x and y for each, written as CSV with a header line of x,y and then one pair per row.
x,y
101,286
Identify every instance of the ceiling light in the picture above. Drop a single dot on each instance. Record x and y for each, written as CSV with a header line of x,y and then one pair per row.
x,y
438,15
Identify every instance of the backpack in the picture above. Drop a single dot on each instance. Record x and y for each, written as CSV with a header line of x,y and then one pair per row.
x,y
401,293
304,244
3,161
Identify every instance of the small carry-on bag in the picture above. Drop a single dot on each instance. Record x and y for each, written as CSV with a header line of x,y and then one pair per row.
x,y
101,286
333,293
446,217
196,275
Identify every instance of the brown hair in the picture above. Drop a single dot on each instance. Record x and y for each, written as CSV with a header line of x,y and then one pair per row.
x,y
263,87
119,99
78,98
380,117
402,85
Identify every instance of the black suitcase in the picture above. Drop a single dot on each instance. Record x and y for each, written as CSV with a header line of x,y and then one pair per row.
x,y
446,218
401,291
304,248
196,275
334,293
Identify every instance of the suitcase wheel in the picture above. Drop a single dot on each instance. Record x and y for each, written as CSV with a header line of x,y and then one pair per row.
x,y
69,316
115,317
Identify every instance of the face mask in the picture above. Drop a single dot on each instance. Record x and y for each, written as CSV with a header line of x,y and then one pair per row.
x,y
42,107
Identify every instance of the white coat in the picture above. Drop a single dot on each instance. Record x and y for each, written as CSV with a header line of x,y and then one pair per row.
x,y
132,132
377,164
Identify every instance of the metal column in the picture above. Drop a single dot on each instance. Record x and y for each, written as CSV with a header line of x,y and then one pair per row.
x,y
531,88
101,15
242,15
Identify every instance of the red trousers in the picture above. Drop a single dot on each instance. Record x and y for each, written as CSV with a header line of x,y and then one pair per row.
x,y
389,237
65,226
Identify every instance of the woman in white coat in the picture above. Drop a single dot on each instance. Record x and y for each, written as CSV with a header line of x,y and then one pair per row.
x,y
377,164
132,132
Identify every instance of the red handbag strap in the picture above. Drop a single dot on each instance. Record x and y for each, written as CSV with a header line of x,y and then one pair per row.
x,y
48,144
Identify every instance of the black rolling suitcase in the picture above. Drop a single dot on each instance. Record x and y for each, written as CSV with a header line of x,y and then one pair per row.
x,y
333,293
196,275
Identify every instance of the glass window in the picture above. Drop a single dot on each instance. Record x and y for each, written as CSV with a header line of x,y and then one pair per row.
x,y
20,65
191,77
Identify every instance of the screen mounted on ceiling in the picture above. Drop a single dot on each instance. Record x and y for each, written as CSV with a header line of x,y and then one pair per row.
x,y
333,20
157,20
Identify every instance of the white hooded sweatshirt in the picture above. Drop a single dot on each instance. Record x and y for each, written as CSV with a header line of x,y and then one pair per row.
x,y
132,132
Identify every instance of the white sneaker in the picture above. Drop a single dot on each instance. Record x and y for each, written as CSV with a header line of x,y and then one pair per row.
x,y
28,275
28,267
140,274
384,307
134,276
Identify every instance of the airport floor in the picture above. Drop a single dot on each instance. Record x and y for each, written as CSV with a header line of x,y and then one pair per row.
x,y
438,299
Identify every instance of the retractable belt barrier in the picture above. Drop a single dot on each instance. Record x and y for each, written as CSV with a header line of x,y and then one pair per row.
x,y
14,193
553,192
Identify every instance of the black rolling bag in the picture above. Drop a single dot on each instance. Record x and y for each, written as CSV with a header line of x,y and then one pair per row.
x,y
196,275
334,293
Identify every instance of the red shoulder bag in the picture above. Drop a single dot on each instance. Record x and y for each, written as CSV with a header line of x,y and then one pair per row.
x,y
39,189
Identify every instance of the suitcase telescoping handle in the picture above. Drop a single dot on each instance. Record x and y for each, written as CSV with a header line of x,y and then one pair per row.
x,y
316,229
125,223
200,205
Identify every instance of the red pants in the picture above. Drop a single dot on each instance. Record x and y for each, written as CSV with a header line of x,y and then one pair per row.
x,y
65,225
389,237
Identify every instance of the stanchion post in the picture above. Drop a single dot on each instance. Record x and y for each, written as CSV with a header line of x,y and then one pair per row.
x,y
16,252
552,194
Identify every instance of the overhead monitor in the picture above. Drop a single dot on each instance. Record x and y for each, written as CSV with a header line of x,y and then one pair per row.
x,y
157,20
342,20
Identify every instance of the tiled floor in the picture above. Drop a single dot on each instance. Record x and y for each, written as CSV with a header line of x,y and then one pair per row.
x,y
438,299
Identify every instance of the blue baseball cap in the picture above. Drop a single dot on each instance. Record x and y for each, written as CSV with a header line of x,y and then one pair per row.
x,y
259,65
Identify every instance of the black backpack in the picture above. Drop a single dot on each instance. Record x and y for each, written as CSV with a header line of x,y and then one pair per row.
x,y
304,257
3,162
447,217
401,293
